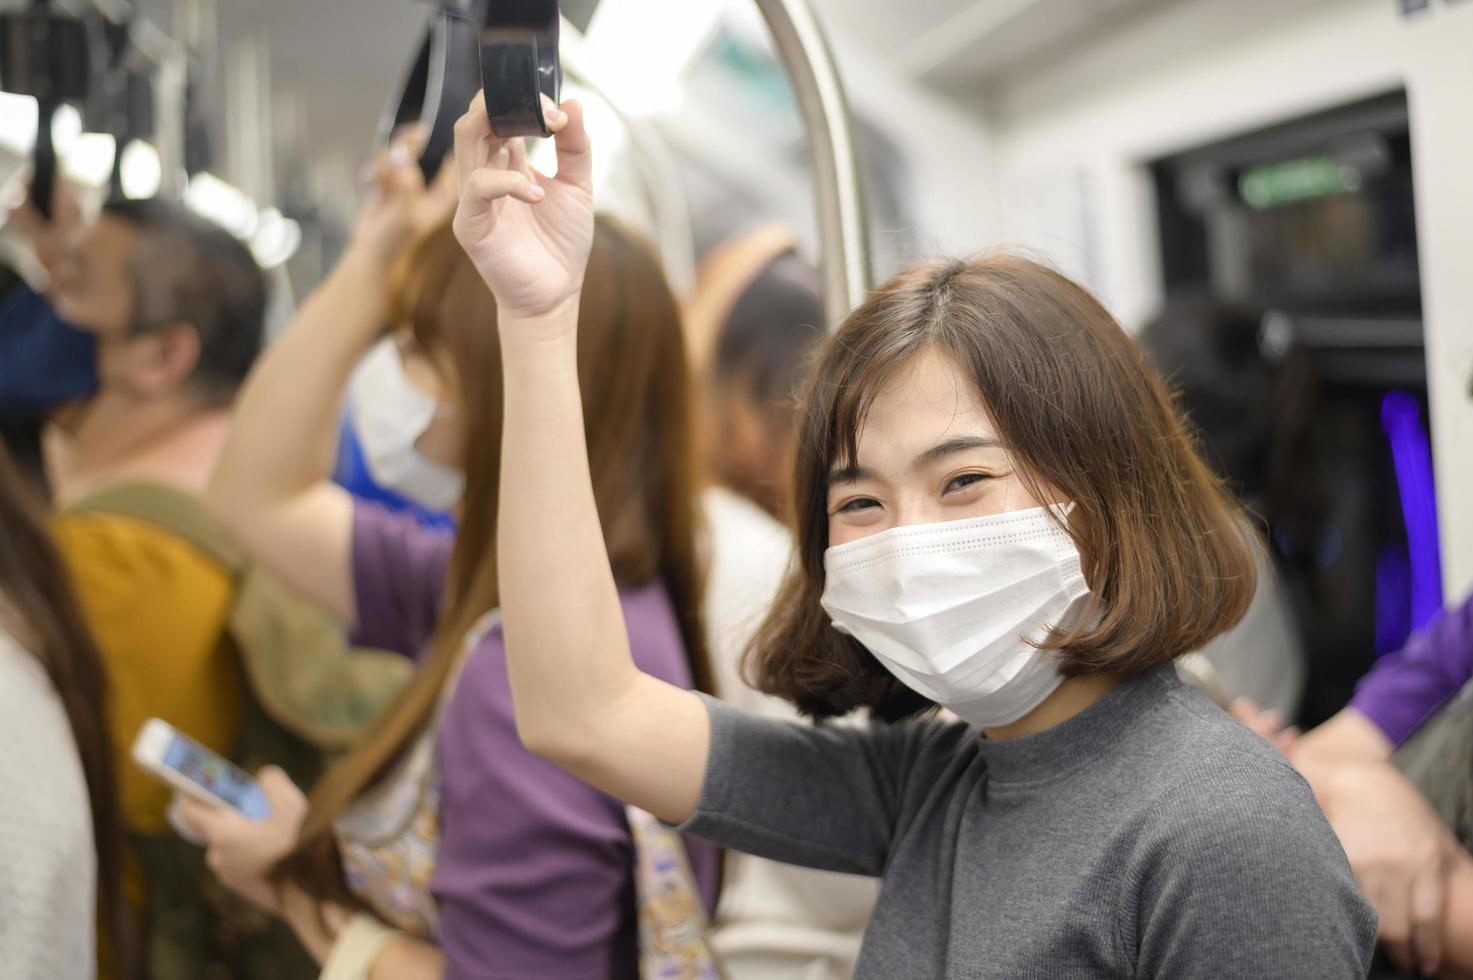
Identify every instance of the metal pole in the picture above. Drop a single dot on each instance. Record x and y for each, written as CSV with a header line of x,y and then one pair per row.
x,y
171,86
249,133
842,221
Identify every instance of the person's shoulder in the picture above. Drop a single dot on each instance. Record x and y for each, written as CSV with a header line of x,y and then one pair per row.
x,y
1222,797
1212,760
1230,847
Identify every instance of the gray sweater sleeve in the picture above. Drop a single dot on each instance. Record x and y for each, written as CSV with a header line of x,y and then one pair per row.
x,y
1286,902
824,797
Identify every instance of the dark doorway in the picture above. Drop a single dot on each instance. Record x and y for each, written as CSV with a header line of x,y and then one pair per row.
x,y
1312,225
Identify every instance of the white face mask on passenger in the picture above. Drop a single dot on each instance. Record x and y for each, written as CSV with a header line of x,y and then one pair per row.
x,y
953,609
389,415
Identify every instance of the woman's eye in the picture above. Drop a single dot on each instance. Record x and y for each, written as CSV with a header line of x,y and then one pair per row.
x,y
857,504
965,480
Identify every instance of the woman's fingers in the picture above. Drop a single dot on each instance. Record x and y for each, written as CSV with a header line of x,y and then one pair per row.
x,y
1395,929
574,151
485,187
474,141
1428,895
206,820
1265,723
517,157
1286,740
279,790
414,136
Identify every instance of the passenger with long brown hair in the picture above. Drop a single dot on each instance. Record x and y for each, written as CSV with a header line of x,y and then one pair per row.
x,y
61,833
464,853
999,513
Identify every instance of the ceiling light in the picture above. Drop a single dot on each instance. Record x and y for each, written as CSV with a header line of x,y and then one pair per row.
x,y
276,240
66,128
17,122
142,172
88,160
223,203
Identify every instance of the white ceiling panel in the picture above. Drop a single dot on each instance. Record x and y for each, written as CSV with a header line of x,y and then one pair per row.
x,y
1038,32
888,25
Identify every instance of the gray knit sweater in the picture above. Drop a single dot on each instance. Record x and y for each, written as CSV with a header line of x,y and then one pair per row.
x,y
1150,836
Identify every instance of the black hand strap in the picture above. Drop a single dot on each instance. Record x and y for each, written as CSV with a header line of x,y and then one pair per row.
x,y
519,63
441,80
44,54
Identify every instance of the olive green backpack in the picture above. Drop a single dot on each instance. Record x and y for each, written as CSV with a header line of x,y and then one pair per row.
x,y
308,697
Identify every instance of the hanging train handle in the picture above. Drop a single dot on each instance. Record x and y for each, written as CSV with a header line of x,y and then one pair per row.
x,y
43,161
43,154
441,80
519,63
44,54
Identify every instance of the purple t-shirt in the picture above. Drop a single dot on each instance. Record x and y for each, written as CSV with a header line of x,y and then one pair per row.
x,y
535,874
1405,689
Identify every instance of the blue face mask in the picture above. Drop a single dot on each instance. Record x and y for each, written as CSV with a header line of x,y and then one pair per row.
x,y
44,362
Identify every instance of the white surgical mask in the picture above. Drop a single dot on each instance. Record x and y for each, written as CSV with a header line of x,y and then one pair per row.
x,y
389,416
953,609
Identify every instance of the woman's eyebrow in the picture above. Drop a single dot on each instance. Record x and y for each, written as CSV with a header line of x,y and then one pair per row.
x,y
957,445
847,474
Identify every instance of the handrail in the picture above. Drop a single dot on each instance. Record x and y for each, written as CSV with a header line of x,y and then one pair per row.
x,y
843,223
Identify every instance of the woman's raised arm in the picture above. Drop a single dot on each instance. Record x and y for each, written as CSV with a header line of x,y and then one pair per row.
x,y
271,487
580,700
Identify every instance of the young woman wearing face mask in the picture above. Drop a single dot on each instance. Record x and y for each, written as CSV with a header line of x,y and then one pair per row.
x,y
998,513
465,854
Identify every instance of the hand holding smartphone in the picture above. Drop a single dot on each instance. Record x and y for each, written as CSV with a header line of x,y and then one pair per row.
x,y
194,770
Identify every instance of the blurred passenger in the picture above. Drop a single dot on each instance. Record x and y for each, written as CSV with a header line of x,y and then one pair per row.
x,y
1209,351
44,363
774,920
170,311
368,467
61,838
466,854
1394,773
981,444
762,341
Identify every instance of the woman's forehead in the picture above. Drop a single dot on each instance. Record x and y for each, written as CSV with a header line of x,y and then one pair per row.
x,y
924,404
925,401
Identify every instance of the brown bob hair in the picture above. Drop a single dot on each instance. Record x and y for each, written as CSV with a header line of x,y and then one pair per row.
x,y
1165,549
637,416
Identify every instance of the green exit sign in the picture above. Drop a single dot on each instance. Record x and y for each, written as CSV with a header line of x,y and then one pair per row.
x,y
1276,184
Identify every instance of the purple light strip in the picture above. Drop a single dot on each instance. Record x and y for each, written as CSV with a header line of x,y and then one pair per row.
x,y
1411,451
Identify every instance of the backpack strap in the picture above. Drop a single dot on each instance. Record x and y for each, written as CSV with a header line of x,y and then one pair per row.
x,y
297,661
175,511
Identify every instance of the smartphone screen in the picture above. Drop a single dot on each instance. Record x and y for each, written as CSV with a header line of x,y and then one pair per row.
x,y
216,776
